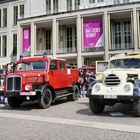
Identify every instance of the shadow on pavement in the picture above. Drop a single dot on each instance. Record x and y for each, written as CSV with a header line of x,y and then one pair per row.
x,y
125,109
26,106
23,107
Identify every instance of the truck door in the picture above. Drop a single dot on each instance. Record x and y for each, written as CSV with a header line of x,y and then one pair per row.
x,y
54,74
62,74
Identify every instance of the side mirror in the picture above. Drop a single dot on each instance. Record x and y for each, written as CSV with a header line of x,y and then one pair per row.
x,y
10,67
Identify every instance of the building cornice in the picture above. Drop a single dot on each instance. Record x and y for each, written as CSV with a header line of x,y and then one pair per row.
x,y
81,10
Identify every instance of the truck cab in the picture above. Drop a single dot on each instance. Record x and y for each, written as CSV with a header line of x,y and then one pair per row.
x,y
40,78
117,80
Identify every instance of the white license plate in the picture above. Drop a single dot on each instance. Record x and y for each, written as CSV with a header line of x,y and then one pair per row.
x,y
110,96
28,93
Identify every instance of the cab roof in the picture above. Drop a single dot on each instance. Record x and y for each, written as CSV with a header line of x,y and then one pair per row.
x,y
33,59
126,55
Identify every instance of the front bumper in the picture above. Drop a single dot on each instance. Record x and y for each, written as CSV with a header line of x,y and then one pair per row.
x,y
12,94
117,98
19,94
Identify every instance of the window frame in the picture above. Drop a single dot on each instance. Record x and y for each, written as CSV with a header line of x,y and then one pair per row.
x,y
14,52
125,33
4,17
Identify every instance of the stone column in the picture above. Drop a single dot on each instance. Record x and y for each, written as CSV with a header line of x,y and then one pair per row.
x,y
106,35
10,34
73,4
19,41
33,38
138,17
135,29
54,37
51,6
79,41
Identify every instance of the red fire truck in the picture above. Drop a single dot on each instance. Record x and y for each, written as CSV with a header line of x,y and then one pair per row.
x,y
40,78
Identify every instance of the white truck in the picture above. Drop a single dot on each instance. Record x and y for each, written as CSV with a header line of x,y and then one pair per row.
x,y
117,81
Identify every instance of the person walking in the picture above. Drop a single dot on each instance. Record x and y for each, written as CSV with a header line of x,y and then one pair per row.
x,y
2,98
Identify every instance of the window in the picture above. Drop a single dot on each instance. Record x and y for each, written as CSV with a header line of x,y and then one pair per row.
x,y
117,35
67,39
15,15
4,50
0,17
14,44
127,34
71,39
4,17
55,6
48,6
62,65
121,35
116,1
125,63
48,41
69,5
53,65
37,65
91,1
21,11
125,1
100,0
77,3
75,37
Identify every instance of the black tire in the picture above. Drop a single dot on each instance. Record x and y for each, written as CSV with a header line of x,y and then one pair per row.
x,y
136,107
96,106
45,99
75,95
14,102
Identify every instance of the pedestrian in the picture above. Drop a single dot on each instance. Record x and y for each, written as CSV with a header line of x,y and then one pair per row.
x,y
83,90
83,87
2,98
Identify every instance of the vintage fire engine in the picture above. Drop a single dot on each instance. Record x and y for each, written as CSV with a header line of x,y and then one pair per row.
x,y
116,81
40,78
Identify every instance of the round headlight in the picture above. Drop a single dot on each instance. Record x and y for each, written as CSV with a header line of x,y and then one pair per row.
x,y
27,87
131,78
97,88
127,88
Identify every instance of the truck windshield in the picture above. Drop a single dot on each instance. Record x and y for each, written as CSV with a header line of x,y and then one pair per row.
x,y
26,66
125,63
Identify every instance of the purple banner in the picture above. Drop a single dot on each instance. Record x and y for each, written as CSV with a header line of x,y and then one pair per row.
x,y
26,39
93,33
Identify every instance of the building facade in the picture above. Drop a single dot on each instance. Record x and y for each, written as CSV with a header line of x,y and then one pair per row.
x,y
80,31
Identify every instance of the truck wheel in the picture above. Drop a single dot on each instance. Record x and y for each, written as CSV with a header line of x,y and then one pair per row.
x,y
136,107
45,99
75,95
14,102
96,106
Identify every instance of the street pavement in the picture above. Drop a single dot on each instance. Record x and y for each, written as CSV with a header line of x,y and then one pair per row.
x,y
68,121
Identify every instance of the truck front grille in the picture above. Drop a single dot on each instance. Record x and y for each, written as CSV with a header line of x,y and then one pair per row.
x,y
13,83
112,79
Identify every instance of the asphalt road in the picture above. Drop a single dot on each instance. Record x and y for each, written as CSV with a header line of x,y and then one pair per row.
x,y
68,121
